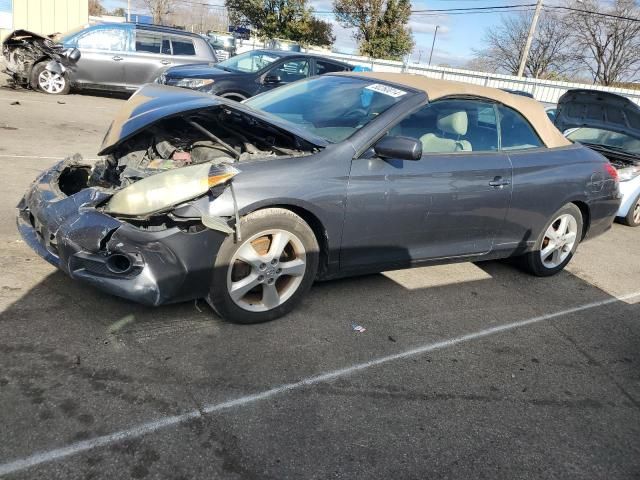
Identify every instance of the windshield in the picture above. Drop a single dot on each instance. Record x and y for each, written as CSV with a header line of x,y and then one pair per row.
x,y
331,107
248,62
606,138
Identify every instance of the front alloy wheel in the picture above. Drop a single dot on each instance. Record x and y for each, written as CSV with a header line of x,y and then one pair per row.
x,y
49,82
266,270
267,273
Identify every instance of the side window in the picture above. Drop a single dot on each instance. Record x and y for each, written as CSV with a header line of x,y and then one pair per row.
x,y
291,71
449,126
166,46
328,67
182,46
149,42
516,133
108,39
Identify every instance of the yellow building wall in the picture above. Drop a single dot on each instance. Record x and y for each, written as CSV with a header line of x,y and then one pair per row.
x,y
48,16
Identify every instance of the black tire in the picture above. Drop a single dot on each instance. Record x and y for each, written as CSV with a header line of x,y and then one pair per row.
x,y
629,219
532,261
251,225
36,84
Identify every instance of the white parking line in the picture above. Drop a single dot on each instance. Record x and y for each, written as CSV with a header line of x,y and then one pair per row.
x,y
145,428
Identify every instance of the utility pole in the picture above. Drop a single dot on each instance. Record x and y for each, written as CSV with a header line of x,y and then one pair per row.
x,y
434,41
128,10
527,45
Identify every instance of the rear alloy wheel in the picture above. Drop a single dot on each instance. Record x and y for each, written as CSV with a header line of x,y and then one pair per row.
x,y
557,243
633,215
263,276
50,82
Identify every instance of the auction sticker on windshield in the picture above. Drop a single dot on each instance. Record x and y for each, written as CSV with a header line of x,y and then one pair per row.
x,y
386,90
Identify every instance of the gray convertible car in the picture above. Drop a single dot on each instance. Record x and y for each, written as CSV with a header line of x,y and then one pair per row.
x,y
247,204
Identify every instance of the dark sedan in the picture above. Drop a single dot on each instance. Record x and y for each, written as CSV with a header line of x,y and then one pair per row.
x,y
250,73
247,204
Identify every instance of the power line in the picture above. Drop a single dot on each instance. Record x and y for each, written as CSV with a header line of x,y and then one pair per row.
x,y
422,15
593,12
513,8
466,9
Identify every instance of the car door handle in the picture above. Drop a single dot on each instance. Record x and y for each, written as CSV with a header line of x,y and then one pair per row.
x,y
165,62
117,58
499,182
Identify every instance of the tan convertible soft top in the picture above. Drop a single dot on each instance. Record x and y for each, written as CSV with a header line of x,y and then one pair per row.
x,y
530,108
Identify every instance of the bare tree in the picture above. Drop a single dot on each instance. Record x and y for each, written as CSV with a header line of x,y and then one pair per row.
x,y
549,54
96,8
200,18
158,9
608,47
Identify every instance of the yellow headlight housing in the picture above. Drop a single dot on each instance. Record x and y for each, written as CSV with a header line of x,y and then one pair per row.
x,y
164,190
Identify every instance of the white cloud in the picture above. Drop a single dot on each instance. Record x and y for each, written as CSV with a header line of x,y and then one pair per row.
x,y
440,56
344,38
419,25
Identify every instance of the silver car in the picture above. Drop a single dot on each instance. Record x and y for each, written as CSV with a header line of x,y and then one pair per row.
x,y
114,57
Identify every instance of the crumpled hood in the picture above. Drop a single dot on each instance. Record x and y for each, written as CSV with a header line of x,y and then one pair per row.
x,y
153,102
18,36
596,109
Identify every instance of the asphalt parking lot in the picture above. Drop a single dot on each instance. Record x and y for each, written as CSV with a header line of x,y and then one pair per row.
x,y
464,371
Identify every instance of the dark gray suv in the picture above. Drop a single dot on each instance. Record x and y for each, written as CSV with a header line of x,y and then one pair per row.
x,y
114,56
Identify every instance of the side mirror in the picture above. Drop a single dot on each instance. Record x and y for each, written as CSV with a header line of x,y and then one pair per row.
x,y
73,54
403,148
271,79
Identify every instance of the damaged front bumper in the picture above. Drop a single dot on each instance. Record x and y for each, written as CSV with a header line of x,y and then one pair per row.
x,y
149,266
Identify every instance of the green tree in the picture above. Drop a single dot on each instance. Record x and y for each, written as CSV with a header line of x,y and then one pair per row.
x,y
381,26
119,12
319,33
286,19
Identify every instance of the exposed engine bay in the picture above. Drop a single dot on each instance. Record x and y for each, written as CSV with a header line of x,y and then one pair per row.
x,y
180,141
617,157
619,161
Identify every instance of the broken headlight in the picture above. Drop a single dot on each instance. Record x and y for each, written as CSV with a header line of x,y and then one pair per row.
x,y
164,190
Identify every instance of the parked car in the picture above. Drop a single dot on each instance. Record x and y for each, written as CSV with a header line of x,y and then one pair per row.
x,y
224,45
250,73
609,124
114,56
247,204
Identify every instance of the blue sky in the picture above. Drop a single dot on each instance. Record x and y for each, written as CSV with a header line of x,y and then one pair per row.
x,y
457,35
